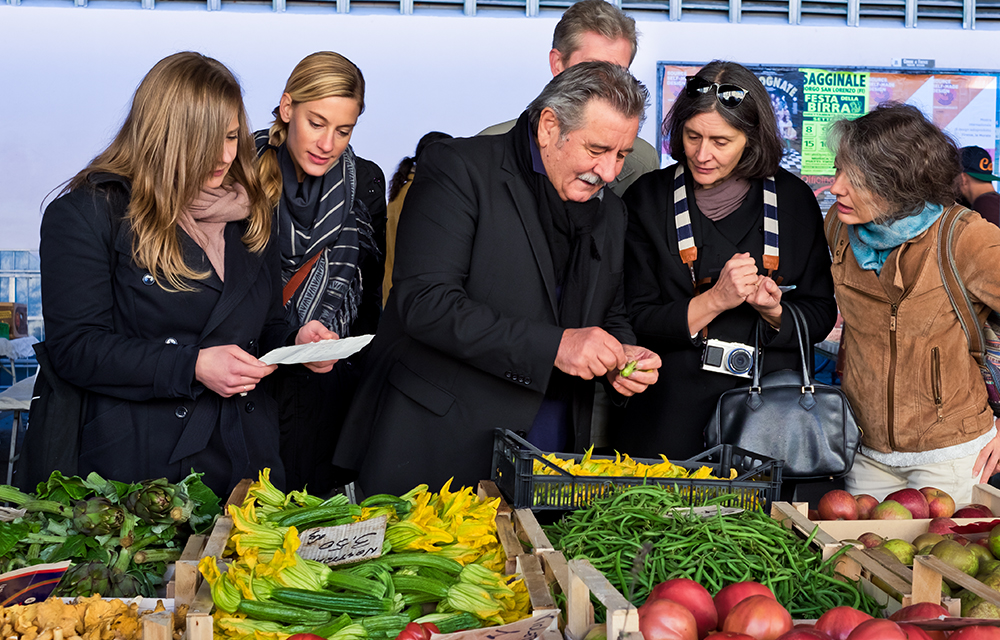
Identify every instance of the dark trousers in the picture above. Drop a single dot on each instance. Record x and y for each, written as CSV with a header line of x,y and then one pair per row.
x,y
312,408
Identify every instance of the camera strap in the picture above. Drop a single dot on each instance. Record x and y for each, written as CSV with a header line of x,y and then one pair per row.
x,y
685,233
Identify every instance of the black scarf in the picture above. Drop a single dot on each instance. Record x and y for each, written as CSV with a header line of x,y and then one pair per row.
x,y
568,229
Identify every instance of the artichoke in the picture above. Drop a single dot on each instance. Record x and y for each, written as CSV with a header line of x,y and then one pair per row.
x,y
126,585
159,502
97,517
85,579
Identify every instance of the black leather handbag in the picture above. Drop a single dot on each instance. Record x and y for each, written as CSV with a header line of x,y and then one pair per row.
x,y
789,416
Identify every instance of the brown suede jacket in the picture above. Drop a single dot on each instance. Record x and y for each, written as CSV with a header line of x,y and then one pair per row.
x,y
907,368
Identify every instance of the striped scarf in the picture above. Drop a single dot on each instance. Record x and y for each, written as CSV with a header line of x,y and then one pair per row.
x,y
317,216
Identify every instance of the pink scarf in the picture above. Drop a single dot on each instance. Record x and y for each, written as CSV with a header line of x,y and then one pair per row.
x,y
721,200
206,217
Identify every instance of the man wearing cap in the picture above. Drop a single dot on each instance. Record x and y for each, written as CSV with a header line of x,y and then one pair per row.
x,y
976,183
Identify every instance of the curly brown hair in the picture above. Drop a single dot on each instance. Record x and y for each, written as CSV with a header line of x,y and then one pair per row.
x,y
899,158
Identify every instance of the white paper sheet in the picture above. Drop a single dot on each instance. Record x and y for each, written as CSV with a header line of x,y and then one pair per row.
x,y
317,351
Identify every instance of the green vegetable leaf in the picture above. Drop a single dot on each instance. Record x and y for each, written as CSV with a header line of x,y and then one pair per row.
x,y
74,547
11,533
206,502
62,489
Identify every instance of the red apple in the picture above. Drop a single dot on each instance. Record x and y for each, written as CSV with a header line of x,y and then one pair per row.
x,y
973,511
891,510
916,633
919,611
941,525
692,595
837,505
870,540
804,634
731,595
839,622
913,500
865,505
939,503
877,629
813,515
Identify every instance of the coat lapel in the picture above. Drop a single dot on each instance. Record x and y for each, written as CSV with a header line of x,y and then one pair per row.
x,y
242,270
527,209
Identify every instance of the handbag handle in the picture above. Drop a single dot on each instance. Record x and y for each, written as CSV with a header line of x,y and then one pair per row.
x,y
801,327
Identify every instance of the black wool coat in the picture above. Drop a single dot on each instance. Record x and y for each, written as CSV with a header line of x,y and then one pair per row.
x,y
469,336
669,417
132,345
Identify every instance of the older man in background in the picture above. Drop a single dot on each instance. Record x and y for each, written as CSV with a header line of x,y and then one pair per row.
x,y
595,30
507,301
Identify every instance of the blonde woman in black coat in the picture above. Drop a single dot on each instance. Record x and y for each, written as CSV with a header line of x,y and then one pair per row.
x,y
161,288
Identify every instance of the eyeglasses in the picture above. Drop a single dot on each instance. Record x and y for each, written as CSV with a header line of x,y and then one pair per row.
x,y
729,95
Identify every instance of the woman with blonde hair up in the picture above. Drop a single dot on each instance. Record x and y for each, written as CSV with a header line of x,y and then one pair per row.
x,y
330,216
161,288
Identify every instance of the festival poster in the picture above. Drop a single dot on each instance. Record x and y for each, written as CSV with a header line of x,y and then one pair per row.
x,y
829,96
787,98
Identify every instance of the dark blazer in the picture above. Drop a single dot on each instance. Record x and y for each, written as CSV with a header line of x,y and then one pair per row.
x,y
669,418
469,335
133,346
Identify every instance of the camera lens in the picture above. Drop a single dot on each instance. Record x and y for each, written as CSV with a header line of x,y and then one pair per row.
x,y
739,361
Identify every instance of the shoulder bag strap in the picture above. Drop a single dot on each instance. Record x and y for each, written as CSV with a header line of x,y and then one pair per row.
x,y
295,281
954,286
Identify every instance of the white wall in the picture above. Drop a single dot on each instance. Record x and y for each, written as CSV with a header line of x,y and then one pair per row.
x,y
67,74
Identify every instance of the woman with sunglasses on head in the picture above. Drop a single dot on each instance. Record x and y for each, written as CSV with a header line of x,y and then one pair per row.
x,y
699,266
330,216
161,288
917,392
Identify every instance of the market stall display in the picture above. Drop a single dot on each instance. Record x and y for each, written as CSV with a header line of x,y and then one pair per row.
x,y
120,537
441,562
646,535
534,479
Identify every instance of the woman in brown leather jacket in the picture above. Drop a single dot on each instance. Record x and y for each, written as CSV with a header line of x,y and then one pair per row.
x,y
917,392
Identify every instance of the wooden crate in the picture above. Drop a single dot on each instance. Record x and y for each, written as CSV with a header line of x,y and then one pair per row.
x,y
887,580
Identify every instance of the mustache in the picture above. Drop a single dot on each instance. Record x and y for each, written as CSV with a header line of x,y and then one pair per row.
x,y
592,178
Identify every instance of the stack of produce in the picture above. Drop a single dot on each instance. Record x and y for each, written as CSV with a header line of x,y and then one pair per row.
x,y
119,536
646,535
622,467
438,566
973,549
90,618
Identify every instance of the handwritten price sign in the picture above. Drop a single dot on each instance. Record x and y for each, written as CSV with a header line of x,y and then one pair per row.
x,y
345,543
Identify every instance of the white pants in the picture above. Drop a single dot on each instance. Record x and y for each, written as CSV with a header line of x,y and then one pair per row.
x,y
879,480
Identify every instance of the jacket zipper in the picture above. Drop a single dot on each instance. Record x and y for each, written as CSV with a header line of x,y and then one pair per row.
x,y
936,379
891,404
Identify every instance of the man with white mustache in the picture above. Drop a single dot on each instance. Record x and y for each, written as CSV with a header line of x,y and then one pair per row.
x,y
507,298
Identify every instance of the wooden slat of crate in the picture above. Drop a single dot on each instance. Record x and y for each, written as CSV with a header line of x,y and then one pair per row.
x,y
539,592
531,532
622,616
186,570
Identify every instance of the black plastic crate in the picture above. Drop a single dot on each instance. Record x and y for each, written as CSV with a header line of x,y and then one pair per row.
x,y
757,484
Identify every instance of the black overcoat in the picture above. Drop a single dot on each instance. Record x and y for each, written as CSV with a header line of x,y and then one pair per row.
x,y
469,336
132,345
669,418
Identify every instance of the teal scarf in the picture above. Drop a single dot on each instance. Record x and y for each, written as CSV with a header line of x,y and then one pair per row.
x,y
873,242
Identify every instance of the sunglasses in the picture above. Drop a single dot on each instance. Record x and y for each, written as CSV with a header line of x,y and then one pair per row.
x,y
729,95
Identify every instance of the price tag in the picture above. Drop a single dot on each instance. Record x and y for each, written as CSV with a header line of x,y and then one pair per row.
x,y
527,629
344,543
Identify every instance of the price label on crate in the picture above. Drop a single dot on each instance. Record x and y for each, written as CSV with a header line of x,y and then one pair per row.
x,y
344,543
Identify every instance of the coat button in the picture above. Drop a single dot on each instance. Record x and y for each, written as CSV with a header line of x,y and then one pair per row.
x,y
251,346
527,379
250,407
181,412
507,374
148,280
170,341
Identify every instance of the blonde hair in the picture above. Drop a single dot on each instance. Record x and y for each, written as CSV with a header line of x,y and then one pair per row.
x,y
168,146
320,75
